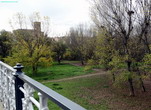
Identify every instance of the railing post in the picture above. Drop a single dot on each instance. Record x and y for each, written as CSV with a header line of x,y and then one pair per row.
x,y
18,83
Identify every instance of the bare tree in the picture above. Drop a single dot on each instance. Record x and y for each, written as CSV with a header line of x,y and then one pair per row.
x,y
125,19
80,41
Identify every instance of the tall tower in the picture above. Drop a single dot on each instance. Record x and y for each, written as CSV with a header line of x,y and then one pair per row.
x,y
37,29
37,26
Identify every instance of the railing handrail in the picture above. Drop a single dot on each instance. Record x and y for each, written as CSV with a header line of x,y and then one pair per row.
x,y
8,66
60,100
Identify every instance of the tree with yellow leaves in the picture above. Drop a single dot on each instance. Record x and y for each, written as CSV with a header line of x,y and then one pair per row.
x,y
31,46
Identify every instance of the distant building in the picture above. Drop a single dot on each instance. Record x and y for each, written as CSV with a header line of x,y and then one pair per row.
x,y
57,38
63,39
36,31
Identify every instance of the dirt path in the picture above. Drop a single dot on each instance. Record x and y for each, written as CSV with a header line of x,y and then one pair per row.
x,y
100,72
80,65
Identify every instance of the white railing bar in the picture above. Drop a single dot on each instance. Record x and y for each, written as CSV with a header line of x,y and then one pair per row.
x,y
22,90
7,82
33,100
4,73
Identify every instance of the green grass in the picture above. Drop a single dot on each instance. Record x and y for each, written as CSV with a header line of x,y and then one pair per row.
x,y
57,71
97,93
76,90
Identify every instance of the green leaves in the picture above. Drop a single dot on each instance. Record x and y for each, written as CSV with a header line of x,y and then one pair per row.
x,y
104,48
146,64
31,52
5,44
123,77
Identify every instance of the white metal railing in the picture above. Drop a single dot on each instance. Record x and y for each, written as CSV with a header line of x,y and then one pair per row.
x,y
7,86
17,92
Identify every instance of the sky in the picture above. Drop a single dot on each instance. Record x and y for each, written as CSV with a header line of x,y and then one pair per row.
x,y
63,14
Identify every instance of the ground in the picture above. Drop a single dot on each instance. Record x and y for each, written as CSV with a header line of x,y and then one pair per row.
x,y
95,91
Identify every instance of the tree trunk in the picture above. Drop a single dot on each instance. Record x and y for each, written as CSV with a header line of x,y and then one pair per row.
x,y
141,81
142,85
148,48
129,65
131,87
113,76
146,42
59,59
130,80
82,62
34,69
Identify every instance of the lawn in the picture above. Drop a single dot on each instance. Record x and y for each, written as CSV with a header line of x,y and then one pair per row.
x,y
97,93
57,71
77,91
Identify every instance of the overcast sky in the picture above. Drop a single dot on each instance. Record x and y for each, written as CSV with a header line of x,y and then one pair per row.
x,y
63,13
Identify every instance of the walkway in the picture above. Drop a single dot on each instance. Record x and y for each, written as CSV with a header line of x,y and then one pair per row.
x,y
100,72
